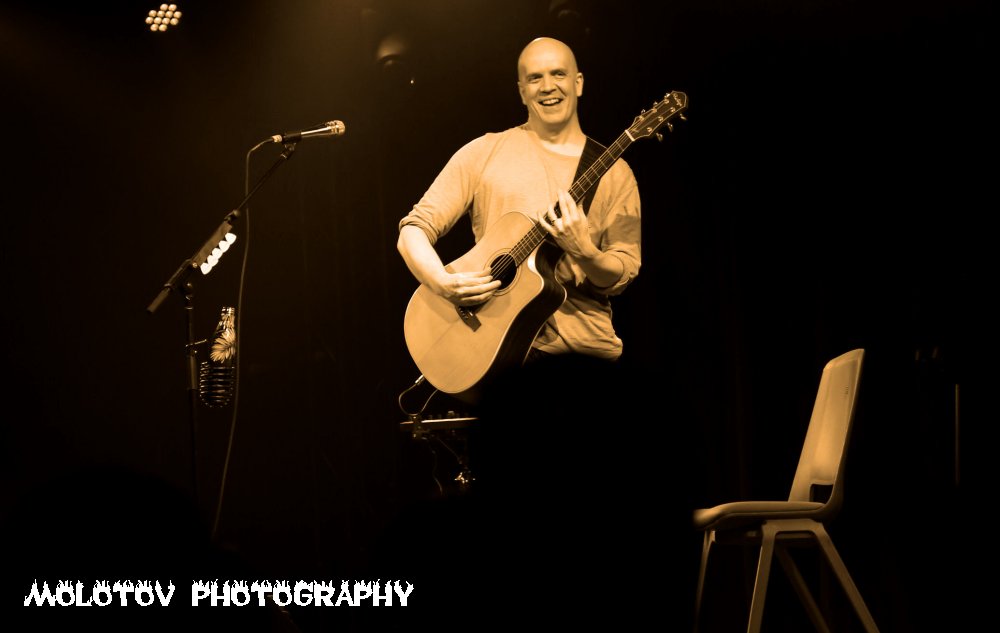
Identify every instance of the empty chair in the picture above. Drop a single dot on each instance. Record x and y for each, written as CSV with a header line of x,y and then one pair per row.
x,y
774,525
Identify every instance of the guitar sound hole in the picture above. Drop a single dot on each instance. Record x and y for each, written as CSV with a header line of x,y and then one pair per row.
x,y
504,268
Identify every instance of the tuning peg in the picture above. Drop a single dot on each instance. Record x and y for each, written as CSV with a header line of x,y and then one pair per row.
x,y
670,126
682,117
659,137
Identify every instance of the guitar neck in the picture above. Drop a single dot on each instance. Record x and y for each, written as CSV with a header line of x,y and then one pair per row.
x,y
583,184
599,167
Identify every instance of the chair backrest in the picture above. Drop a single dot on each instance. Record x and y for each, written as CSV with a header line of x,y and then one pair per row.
x,y
824,451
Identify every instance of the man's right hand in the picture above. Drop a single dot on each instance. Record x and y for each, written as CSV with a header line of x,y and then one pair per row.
x,y
462,289
465,289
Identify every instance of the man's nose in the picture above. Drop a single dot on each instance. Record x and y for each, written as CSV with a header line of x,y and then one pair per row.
x,y
548,84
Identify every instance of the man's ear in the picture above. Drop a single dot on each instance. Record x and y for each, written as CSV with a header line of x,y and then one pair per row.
x,y
579,84
520,91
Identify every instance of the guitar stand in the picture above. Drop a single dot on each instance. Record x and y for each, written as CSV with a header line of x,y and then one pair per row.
x,y
450,431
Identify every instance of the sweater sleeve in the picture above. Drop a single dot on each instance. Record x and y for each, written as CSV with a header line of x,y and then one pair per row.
x,y
451,193
621,234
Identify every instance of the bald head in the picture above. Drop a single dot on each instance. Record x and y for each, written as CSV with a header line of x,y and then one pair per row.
x,y
545,46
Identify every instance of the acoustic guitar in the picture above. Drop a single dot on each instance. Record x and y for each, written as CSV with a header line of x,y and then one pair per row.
x,y
459,348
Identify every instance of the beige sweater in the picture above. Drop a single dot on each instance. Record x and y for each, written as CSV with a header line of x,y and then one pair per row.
x,y
512,171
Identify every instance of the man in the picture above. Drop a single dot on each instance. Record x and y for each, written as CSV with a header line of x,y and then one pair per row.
x,y
525,169
539,507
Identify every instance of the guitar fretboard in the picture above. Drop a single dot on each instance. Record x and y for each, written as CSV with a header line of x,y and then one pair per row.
x,y
536,235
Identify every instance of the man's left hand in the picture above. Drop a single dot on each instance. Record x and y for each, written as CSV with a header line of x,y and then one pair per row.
x,y
570,229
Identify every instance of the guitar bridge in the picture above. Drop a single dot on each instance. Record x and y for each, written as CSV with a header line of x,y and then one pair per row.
x,y
468,317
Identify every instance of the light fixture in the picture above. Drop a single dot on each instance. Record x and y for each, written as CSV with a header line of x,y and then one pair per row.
x,y
159,19
392,57
211,258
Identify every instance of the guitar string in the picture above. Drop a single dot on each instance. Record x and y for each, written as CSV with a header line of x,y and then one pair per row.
x,y
536,235
533,235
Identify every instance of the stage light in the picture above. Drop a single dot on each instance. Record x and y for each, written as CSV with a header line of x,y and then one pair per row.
x,y
392,57
159,19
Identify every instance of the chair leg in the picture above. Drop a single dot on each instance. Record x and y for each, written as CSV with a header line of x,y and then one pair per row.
x,y
706,548
768,533
840,571
802,589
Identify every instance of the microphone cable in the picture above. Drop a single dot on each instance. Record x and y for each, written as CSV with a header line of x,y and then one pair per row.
x,y
239,330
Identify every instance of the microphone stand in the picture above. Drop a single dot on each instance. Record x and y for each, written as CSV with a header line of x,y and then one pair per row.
x,y
179,282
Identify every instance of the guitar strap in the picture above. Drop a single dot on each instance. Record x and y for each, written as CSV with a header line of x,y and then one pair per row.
x,y
592,150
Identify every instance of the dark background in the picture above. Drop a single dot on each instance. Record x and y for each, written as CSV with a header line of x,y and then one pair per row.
x,y
825,193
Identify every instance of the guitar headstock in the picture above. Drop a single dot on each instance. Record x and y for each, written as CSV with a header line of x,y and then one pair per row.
x,y
649,121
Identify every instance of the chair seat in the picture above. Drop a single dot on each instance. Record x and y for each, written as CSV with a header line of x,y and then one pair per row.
x,y
742,513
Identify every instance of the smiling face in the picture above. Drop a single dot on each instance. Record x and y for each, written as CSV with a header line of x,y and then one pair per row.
x,y
549,84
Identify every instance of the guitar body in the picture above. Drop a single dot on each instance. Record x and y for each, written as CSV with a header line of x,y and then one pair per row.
x,y
458,353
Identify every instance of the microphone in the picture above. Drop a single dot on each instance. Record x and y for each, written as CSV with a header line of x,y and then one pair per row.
x,y
330,128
